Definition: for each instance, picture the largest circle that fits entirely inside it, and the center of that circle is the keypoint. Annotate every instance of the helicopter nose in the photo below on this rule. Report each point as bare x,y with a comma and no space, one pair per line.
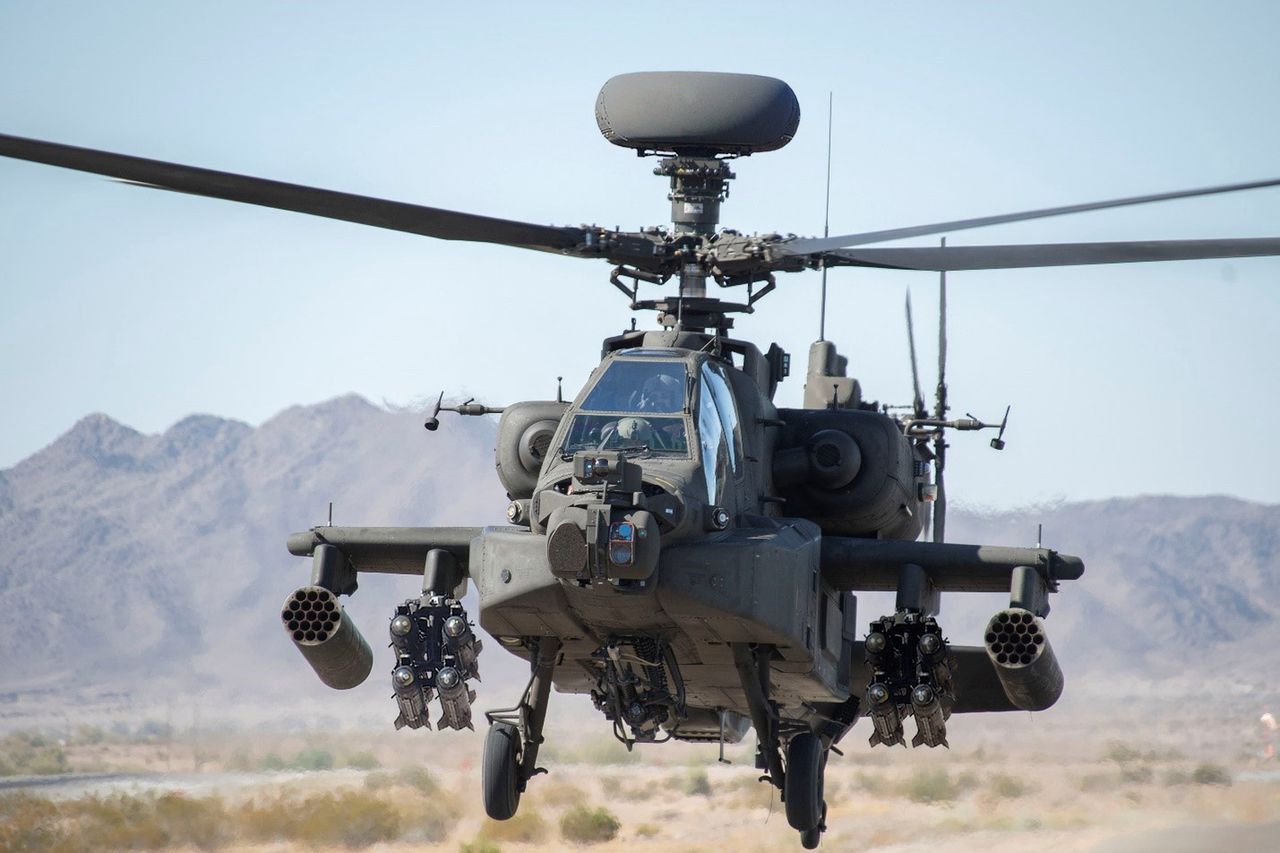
567,549
602,542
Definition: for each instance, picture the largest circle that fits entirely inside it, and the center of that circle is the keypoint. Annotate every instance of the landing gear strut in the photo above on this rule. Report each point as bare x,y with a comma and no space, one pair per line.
515,734
802,778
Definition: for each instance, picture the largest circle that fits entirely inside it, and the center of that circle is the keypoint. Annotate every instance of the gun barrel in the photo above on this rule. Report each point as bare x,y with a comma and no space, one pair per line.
327,638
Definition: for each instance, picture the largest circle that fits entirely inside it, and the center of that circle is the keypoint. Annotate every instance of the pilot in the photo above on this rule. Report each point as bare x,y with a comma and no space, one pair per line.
634,431
660,393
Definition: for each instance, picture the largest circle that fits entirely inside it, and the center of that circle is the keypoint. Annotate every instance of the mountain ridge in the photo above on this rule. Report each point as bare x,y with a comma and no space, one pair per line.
151,562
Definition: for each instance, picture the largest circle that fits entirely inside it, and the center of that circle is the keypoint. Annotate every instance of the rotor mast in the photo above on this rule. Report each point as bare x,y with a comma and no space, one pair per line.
699,184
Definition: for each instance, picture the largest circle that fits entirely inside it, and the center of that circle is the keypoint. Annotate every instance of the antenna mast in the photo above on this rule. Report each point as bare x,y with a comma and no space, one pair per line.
826,223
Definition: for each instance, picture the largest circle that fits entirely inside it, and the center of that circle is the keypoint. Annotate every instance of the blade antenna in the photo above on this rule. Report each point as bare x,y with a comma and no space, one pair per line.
826,223
917,402
940,441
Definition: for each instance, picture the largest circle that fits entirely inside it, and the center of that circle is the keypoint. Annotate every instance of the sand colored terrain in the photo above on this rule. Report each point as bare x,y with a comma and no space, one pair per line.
1194,780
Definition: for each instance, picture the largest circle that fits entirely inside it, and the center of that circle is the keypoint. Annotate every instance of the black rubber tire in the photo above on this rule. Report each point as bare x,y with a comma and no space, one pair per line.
500,772
804,782
810,839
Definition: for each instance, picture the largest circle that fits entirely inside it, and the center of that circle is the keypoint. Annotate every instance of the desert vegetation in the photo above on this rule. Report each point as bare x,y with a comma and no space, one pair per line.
1008,783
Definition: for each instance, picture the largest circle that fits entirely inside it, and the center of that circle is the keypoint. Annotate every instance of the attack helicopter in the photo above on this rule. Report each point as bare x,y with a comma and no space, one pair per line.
676,546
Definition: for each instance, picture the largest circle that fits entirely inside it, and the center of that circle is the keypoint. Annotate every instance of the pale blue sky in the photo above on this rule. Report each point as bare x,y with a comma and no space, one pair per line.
1124,380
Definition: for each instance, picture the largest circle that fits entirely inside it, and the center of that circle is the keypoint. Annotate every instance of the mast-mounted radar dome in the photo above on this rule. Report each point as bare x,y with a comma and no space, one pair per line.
697,113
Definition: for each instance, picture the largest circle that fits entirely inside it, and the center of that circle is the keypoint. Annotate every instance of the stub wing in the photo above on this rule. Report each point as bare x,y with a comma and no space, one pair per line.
876,564
387,550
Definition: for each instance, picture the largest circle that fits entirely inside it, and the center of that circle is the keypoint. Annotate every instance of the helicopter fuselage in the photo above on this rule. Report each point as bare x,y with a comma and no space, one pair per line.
652,518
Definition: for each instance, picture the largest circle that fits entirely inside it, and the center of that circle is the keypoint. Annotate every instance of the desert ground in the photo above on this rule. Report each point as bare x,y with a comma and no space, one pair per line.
1152,775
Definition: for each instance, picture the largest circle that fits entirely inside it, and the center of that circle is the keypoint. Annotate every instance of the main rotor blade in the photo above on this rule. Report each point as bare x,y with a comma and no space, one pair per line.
917,402
808,247
380,213
1051,254
939,517
940,397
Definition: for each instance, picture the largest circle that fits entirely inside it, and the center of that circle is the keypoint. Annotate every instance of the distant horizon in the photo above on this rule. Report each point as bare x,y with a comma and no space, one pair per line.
955,501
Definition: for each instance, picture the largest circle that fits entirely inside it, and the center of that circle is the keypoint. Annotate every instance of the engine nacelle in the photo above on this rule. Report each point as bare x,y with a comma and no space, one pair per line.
524,440
851,471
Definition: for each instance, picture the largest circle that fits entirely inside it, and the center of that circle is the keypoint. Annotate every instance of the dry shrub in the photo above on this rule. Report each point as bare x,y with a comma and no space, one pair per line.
697,784
527,827
429,819
363,760
119,821
29,823
1210,774
1095,783
312,759
31,754
1139,774
418,778
149,822
1003,786
1121,753
930,786
648,791
582,825
479,846
347,818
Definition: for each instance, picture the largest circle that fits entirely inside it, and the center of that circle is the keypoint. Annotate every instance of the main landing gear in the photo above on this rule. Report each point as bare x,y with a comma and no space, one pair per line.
803,788
515,734
802,777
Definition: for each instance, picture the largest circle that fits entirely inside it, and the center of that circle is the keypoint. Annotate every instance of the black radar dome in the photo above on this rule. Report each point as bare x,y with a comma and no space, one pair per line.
697,113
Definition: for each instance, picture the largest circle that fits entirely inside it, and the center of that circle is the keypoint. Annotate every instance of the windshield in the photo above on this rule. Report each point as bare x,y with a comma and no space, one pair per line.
632,397
639,386
661,436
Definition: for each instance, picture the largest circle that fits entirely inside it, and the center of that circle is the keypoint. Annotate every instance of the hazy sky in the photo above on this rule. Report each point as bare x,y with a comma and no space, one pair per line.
149,306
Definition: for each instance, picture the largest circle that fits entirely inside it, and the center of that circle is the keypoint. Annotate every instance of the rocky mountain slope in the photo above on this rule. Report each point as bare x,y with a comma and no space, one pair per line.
137,560
138,564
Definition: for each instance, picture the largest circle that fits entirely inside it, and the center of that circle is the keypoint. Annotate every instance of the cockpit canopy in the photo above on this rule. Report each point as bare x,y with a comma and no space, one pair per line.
640,387
636,404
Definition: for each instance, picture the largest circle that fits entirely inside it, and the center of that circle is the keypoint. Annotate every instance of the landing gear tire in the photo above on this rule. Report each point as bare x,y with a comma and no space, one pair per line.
810,839
501,771
803,792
